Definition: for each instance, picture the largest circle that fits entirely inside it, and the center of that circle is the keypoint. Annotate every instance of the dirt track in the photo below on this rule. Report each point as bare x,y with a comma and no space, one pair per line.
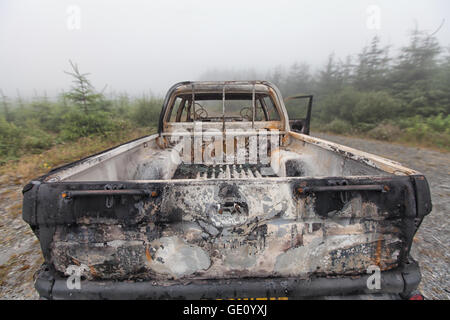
20,253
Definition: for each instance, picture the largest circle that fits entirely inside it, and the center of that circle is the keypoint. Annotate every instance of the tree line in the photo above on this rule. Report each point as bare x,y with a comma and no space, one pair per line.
398,97
380,94
374,93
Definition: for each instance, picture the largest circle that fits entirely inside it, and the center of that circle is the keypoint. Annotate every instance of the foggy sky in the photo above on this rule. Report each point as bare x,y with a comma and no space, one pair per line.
138,46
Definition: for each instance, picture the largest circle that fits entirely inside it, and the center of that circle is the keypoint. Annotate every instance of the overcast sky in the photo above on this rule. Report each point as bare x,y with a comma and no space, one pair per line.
137,46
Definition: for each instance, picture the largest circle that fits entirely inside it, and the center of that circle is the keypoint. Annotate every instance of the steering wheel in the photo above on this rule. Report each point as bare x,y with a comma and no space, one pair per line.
246,113
200,113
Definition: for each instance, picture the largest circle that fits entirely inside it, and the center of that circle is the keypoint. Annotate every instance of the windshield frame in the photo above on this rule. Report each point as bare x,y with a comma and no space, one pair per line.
198,87
184,112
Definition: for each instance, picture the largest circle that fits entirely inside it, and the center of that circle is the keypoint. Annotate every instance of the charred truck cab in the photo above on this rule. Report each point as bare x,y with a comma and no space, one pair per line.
230,199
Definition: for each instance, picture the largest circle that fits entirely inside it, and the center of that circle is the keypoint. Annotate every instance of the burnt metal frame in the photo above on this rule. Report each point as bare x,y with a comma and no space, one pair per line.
172,89
44,208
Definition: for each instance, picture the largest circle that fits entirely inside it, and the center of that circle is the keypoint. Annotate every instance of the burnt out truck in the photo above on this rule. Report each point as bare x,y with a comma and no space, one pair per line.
230,199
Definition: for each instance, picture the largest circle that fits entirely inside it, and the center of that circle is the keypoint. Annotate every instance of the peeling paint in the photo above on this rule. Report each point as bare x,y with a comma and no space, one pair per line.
176,258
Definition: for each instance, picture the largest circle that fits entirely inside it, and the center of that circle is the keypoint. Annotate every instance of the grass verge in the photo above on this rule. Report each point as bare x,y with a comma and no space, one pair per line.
33,165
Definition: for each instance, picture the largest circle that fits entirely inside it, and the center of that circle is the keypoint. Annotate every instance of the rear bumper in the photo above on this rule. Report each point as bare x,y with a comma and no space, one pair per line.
401,281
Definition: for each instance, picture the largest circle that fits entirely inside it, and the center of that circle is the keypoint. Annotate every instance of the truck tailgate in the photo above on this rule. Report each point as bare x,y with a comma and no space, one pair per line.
222,229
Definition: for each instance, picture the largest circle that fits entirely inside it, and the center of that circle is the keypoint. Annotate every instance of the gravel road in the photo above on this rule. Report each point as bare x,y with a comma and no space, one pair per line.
431,243
20,254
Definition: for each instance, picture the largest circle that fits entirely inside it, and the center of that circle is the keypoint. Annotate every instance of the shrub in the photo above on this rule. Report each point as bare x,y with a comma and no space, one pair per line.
77,124
363,127
385,131
339,105
146,112
439,123
10,140
36,140
374,107
338,126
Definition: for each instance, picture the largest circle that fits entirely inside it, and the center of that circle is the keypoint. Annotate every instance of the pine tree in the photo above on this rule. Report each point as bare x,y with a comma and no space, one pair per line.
298,79
414,74
276,76
330,78
373,66
82,93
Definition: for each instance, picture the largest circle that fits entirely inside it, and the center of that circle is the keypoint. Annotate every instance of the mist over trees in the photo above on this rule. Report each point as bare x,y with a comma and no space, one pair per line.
373,92
33,126
401,97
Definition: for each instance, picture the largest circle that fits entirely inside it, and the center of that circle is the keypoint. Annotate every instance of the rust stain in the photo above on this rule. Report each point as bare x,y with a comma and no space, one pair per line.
25,267
378,253
147,254
163,144
272,125
92,270
75,261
